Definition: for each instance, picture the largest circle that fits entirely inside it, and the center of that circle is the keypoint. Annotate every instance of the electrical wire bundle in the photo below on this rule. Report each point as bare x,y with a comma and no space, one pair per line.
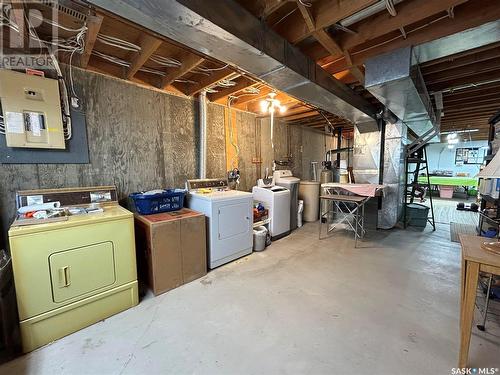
74,44
5,19
118,43
226,83
201,69
165,61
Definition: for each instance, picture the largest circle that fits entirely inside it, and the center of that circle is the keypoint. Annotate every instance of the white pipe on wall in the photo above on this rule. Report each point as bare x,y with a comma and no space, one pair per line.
203,134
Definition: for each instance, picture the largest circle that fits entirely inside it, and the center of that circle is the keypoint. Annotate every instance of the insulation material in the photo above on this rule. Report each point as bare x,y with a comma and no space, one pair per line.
366,157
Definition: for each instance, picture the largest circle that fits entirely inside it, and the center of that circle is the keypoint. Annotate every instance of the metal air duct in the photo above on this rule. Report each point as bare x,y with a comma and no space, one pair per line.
395,79
225,31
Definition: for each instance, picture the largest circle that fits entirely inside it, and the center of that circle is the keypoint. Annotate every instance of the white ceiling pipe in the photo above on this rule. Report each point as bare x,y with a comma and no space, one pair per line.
203,134
367,12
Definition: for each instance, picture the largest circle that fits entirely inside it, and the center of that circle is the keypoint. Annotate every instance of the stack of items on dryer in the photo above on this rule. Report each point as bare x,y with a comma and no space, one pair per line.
229,218
277,200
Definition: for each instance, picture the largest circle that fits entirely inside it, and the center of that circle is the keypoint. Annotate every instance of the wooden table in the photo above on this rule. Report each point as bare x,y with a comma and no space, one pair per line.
474,260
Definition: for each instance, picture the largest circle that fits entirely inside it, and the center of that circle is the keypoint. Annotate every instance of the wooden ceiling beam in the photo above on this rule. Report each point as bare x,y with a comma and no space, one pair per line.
241,83
463,71
264,91
188,60
328,42
325,12
206,82
94,23
308,112
459,55
472,102
456,82
453,62
475,109
471,14
476,96
468,116
149,44
408,12
273,6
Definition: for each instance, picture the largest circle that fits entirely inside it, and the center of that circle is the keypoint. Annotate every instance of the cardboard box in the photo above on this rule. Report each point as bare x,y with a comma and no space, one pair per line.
171,248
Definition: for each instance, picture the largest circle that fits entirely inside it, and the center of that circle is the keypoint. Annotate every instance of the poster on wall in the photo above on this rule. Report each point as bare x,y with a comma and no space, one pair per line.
469,155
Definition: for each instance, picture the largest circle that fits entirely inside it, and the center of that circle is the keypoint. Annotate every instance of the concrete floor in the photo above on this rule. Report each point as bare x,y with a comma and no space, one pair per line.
301,306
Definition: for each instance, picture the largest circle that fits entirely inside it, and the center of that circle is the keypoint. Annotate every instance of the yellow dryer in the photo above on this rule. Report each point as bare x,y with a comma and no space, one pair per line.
71,274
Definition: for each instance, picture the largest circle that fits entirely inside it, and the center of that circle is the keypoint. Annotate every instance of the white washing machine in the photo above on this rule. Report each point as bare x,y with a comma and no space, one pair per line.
229,219
286,179
277,200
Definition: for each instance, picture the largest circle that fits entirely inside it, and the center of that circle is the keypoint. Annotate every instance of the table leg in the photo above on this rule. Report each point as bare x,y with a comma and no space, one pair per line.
467,311
320,216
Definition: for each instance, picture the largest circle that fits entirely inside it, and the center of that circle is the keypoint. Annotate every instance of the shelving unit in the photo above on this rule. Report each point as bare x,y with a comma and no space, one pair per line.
488,201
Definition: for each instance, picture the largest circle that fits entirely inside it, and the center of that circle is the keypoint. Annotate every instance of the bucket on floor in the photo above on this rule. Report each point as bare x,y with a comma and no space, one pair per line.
417,214
259,238
446,191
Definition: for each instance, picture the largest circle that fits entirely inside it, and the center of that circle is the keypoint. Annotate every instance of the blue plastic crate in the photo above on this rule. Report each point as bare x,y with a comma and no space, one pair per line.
166,201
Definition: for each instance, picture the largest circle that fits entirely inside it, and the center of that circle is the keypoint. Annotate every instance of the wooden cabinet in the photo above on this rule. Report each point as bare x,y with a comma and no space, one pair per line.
171,248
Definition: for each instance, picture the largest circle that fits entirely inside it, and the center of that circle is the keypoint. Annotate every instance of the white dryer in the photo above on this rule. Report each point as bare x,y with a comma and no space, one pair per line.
229,219
277,200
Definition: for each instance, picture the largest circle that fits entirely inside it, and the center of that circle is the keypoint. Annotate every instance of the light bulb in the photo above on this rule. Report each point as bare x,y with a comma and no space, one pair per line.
282,109
263,106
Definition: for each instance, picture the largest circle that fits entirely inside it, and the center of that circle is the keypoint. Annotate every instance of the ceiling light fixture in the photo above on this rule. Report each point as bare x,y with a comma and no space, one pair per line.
270,105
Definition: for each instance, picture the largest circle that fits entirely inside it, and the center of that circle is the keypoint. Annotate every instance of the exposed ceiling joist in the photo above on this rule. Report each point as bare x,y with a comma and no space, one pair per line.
326,13
94,23
210,28
463,71
189,62
475,78
272,6
241,83
264,91
451,63
468,103
447,59
309,113
206,82
408,12
472,14
327,41
149,44
473,98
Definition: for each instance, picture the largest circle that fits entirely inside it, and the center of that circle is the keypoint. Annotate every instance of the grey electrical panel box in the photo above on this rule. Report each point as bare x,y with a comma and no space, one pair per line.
31,107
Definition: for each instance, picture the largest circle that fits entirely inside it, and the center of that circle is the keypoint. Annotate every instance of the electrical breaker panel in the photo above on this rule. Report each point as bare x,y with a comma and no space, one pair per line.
31,109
